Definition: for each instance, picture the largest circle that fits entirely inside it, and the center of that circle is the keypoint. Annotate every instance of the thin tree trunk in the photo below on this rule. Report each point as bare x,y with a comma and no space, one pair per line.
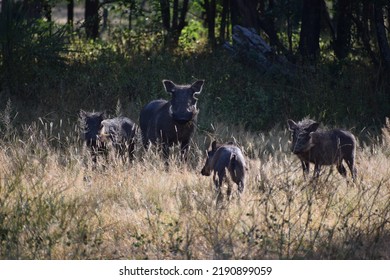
174,27
342,41
165,14
309,44
234,13
92,18
289,27
210,12
131,9
224,23
381,36
70,13
362,25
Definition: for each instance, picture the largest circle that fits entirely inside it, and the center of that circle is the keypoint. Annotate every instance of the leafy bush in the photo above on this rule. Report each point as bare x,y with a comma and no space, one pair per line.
31,49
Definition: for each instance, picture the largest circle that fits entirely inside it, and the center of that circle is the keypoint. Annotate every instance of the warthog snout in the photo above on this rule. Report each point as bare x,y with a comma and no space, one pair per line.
183,117
206,170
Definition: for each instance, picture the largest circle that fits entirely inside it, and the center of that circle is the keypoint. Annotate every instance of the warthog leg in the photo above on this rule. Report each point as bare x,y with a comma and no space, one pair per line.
352,168
317,169
305,168
341,169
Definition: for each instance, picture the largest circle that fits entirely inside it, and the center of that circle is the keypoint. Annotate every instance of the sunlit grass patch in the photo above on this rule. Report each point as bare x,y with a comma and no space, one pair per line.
54,204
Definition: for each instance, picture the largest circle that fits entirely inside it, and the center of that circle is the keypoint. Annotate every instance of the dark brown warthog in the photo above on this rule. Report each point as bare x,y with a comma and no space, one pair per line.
171,122
322,147
120,132
225,157
90,124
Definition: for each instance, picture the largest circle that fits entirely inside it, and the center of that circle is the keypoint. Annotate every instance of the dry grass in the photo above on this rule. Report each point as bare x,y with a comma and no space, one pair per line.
54,206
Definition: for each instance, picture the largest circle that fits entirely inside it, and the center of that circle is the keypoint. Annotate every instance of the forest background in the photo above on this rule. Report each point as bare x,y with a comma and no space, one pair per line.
58,58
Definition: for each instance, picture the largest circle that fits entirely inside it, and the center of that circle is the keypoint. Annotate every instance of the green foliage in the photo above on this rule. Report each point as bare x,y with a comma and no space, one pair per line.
192,37
30,50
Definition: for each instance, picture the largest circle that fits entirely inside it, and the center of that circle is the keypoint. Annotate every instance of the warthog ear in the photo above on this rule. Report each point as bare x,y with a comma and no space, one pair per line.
169,86
82,113
102,115
197,86
214,145
313,127
102,130
292,125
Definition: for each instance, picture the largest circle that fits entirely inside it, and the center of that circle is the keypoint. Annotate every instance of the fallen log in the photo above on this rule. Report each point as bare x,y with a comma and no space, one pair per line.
251,47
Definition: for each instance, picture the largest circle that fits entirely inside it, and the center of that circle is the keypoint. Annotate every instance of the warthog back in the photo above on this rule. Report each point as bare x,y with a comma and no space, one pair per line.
225,157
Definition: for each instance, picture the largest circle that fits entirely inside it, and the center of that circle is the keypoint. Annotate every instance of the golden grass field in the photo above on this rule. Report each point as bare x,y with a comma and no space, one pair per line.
53,205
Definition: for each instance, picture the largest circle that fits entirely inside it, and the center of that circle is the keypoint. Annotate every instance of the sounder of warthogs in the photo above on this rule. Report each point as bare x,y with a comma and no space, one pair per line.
225,157
322,147
171,122
120,132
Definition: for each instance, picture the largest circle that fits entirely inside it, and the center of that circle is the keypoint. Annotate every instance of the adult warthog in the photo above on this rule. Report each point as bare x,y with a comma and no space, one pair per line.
171,122
222,158
325,147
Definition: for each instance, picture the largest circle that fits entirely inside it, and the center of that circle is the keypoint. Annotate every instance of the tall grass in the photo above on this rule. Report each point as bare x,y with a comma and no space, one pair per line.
54,205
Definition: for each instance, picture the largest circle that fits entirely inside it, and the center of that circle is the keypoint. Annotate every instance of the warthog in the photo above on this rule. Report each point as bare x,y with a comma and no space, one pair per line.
171,122
225,157
120,132
90,125
322,147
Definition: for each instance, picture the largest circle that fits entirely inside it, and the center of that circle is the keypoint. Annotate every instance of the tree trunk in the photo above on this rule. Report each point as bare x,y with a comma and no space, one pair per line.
266,22
342,43
248,14
175,26
363,24
289,28
70,13
165,14
251,48
33,8
383,43
309,46
234,13
210,7
253,14
224,21
92,18
131,10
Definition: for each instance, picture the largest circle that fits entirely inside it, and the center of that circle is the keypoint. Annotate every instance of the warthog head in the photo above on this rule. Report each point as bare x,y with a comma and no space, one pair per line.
91,123
301,135
104,132
183,103
206,170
